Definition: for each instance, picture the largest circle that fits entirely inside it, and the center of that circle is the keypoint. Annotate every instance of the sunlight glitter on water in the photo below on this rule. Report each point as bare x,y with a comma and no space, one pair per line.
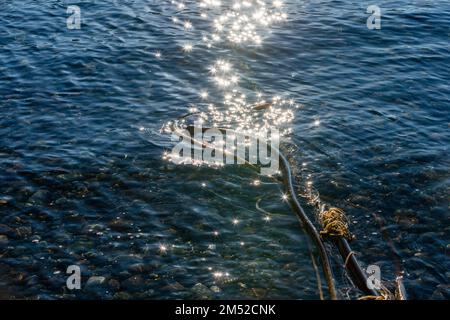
241,23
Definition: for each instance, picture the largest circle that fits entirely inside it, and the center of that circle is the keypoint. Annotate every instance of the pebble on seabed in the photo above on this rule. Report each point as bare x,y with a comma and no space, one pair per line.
202,291
95,280
215,289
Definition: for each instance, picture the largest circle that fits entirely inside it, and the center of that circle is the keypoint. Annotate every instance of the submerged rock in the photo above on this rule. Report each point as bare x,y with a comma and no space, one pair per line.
5,199
291,266
202,292
93,228
32,281
442,292
35,239
114,284
133,282
95,280
39,197
122,296
175,286
138,268
3,239
74,217
121,225
23,232
215,289
259,293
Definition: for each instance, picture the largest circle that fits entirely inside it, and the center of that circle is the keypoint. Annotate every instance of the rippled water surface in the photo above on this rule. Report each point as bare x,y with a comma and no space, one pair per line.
84,182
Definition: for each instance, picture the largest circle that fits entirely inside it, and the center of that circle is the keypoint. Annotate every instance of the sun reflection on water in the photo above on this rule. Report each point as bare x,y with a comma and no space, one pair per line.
239,23
242,23
228,103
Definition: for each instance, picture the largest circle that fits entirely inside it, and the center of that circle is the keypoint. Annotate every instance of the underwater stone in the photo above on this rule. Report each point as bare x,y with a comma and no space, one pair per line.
33,281
35,238
74,217
125,262
442,292
24,231
175,286
121,225
5,199
215,289
242,285
95,280
202,291
139,268
291,266
39,196
3,239
93,228
133,282
122,296
259,292
114,284
19,220
61,201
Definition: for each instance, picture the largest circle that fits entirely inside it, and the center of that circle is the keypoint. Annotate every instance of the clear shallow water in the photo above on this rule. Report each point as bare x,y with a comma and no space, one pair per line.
84,182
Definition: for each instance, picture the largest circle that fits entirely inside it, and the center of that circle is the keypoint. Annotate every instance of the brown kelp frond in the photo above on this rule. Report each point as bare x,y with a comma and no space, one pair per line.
334,223
372,298
384,294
